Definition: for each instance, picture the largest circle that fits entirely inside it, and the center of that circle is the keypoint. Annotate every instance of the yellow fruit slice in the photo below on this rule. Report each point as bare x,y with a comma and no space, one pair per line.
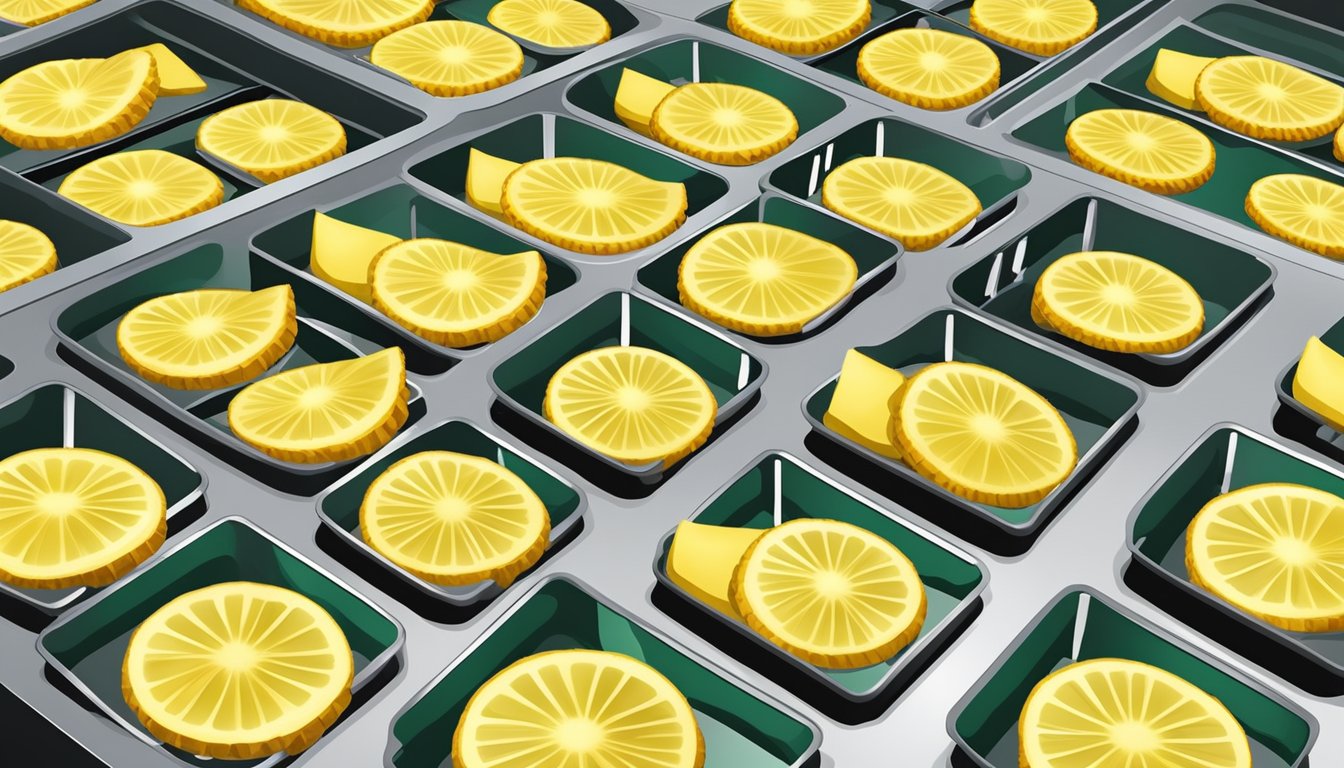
702,559
552,23
144,187
1118,302
1276,551
343,23
238,671
455,519
450,58
591,206
913,203
76,517
1304,210
578,708
1042,27
1319,382
456,295
77,102
175,77
272,139
1117,713
864,403
983,435
208,339
324,412
833,594
1269,99
799,27
636,405
724,123
1173,77
342,254
929,68
25,254
485,181
1339,145
1147,150
637,96
764,279
30,13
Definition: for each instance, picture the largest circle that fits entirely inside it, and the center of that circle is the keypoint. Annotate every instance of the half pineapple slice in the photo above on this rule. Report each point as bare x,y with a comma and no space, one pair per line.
591,206
1147,150
799,27
637,96
238,671
1304,210
455,519
208,339
1118,302
929,68
77,102
1273,550
636,405
864,403
30,13
450,58
324,412
1042,27
1268,99
76,517
343,253
702,560
456,295
484,187
983,435
833,594
1108,713
763,279
343,23
1174,75
723,123
144,187
578,708
912,203
176,78
551,23
25,254
272,139
1319,382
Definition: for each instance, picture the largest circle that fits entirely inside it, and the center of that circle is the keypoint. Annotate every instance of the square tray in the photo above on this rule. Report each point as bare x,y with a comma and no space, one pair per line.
282,255
87,329
339,506
1100,409
1226,458
875,256
777,488
1079,625
86,646
1316,433
1230,281
618,318
76,233
741,726
59,416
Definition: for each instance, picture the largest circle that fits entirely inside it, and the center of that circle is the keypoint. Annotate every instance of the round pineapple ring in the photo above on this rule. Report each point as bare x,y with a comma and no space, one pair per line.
830,593
912,203
25,254
77,102
1042,27
550,23
450,58
799,27
633,404
455,519
1114,713
238,671
342,23
76,517
1147,150
1273,550
763,279
1268,99
1118,302
723,123
983,435
144,188
30,13
1304,210
929,68
272,138
578,708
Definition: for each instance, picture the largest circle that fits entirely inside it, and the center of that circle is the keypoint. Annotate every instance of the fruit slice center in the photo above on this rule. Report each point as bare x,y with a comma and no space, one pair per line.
144,187
1269,99
76,102
25,254
916,204
799,27
724,123
552,23
450,58
1042,27
272,138
1304,210
929,68
345,23
1150,151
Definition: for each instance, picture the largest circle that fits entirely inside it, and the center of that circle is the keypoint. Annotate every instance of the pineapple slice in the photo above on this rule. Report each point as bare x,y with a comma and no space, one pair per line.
272,139
551,23
450,58
1041,27
72,103
342,254
144,188
1173,77
1144,149
929,68
342,23
26,254
799,27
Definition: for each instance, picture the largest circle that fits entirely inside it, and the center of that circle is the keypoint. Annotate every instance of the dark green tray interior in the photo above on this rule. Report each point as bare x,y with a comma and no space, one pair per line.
986,721
739,728
1315,10
76,234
